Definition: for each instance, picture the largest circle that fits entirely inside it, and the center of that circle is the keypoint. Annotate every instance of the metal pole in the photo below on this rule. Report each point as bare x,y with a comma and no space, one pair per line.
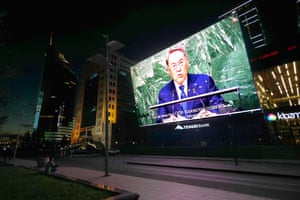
106,108
19,129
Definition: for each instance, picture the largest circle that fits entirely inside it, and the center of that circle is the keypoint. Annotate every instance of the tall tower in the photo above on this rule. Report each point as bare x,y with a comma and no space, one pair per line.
56,97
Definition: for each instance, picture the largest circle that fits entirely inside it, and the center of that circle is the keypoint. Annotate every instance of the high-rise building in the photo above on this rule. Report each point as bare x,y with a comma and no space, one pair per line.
91,108
56,97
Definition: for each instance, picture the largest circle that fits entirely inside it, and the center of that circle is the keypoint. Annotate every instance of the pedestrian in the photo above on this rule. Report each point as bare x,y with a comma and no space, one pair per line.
51,166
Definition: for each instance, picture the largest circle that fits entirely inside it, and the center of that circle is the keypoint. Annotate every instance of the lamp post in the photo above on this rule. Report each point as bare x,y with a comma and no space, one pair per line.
106,107
110,47
21,115
19,129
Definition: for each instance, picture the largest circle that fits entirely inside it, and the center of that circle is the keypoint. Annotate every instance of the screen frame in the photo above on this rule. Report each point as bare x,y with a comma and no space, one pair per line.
140,73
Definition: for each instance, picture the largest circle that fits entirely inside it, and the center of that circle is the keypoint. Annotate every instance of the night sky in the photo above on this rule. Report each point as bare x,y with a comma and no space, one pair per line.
144,27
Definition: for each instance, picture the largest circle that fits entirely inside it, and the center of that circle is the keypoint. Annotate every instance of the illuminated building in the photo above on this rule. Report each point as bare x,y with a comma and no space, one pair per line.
91,107
56,97
276,75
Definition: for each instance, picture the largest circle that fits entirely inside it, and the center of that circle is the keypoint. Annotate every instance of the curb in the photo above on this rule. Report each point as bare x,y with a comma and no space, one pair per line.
121,194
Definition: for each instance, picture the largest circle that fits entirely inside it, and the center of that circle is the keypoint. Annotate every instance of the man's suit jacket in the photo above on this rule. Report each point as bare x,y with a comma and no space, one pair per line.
197,84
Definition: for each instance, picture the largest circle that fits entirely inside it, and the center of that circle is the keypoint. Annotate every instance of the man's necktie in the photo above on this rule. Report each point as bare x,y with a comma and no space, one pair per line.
182,96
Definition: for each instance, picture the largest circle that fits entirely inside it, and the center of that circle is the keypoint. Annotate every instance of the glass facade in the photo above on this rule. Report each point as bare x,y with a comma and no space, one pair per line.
278,91
90,101
56,98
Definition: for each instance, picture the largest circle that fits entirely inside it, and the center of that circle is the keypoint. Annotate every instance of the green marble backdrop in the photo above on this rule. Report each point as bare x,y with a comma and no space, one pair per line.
218,50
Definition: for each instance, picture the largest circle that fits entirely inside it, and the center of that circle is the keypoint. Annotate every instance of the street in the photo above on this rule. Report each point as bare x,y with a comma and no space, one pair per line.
276,187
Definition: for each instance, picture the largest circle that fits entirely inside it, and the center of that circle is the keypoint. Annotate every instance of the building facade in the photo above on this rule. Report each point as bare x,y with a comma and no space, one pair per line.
54,115
100,70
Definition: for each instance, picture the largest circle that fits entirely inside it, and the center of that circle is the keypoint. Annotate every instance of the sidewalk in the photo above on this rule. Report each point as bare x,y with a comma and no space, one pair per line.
149,189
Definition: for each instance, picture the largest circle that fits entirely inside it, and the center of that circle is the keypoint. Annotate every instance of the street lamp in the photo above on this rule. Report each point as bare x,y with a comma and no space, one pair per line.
106,107
21,116
110,46
19,129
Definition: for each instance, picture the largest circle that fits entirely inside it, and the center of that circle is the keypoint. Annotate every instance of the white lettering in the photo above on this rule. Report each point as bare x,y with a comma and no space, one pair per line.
282,116
192,126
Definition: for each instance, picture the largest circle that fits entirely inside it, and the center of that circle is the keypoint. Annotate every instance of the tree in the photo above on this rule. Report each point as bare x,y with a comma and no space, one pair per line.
3,119
7,70
38,141
27,142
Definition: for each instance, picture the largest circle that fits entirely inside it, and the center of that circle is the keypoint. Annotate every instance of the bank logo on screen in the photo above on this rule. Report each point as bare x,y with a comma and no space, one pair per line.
271,117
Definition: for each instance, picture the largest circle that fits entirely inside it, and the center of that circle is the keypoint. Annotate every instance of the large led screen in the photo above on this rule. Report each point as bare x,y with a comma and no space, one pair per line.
217,51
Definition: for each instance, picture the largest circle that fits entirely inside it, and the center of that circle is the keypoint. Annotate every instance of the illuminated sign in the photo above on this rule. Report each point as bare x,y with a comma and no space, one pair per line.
283,116
271,117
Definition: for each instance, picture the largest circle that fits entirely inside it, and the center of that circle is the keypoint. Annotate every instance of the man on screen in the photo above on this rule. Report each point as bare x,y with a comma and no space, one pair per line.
183,85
